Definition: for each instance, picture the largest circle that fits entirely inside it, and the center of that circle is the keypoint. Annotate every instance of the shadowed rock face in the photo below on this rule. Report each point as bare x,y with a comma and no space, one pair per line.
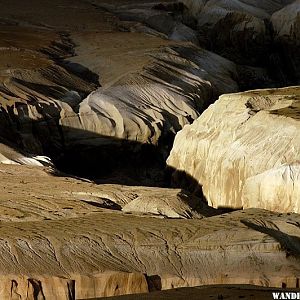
255,33
246,292
286,23
244,150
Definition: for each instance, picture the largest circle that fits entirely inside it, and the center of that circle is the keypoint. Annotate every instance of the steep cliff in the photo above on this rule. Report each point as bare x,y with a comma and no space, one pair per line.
243,151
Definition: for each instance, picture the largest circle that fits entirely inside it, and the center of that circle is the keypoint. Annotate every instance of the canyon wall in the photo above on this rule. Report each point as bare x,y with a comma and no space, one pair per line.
243,151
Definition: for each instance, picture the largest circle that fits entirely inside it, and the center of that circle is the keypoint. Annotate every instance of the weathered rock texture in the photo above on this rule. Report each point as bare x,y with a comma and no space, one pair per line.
78,83
70,197
162,19
67,242
150,87
251,32
63,241
239,25
244,150
286,23
157,101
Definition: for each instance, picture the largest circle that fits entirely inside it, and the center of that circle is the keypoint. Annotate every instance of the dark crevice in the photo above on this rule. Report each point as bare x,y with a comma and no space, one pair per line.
107,203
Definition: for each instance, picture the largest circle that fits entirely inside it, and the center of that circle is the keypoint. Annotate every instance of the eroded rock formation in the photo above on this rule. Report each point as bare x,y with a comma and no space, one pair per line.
70,197
150,88
103,86
251,33
286,23
244,151
57,240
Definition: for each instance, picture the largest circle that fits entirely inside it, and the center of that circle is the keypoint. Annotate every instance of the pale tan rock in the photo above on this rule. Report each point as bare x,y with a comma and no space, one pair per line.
60,288
110,284
276,189
150,87
171,203
8,155
49,250
244,150
153,102
67,197
182,253
38,288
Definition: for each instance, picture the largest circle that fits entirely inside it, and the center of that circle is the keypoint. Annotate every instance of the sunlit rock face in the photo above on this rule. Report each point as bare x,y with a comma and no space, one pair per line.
158,100
80,287
244,150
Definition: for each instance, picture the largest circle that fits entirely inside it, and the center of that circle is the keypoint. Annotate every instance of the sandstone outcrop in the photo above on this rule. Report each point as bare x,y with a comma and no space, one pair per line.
60,243
92,87
61,288
170,203
71,197
51,102
157,101
243,151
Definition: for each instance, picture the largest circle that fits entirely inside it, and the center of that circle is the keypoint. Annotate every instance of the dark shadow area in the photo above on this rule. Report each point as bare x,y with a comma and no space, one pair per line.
228,209
37,288
180,179
105,204
154,283
71,290
263,60
84,154
80,71
207,292
290,244
292,111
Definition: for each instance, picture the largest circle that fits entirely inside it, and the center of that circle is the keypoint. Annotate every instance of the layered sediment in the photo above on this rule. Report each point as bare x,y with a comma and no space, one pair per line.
100,251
